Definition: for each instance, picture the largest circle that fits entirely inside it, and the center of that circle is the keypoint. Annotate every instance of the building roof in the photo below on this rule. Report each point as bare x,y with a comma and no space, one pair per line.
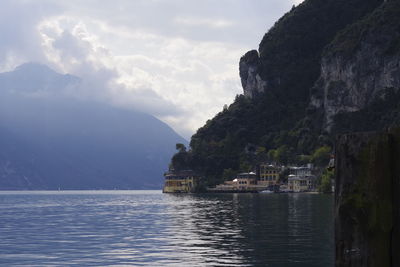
293,177
182,174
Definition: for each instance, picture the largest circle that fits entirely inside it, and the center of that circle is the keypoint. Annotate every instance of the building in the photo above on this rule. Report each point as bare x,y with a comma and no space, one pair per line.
301,179
185,181
243,183
269,175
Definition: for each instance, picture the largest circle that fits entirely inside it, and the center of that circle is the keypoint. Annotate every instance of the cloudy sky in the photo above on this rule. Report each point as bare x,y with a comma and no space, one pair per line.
175,59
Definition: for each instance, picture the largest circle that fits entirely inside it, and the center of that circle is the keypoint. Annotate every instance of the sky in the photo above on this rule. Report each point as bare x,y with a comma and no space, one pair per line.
175,59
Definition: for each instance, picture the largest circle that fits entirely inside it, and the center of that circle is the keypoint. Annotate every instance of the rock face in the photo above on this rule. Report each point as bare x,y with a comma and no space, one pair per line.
367,199
276,80
360,65
288,59
249,68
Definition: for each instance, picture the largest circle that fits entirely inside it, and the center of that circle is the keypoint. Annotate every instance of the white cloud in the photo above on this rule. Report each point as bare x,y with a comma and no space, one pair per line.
183,82
177,59
207,22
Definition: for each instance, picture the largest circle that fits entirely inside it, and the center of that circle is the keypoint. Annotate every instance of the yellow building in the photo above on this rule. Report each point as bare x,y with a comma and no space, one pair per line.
181,182
269,175
243,182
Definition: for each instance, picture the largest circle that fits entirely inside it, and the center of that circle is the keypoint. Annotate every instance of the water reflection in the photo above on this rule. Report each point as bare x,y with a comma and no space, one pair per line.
153,229
261,230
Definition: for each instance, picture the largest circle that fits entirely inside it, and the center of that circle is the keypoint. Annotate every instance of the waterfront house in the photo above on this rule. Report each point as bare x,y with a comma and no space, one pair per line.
243,182
301,179
269,175
186,181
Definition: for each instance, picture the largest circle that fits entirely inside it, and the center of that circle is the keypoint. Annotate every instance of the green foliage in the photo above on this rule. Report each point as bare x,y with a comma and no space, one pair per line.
261,154
382,25
326,181
283,155
290,55
304,159
181,161
321,156
228,174
245,166
180,147
291,50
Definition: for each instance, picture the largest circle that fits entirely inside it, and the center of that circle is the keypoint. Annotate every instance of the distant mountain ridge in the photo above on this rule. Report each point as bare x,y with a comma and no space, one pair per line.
31,77
49,141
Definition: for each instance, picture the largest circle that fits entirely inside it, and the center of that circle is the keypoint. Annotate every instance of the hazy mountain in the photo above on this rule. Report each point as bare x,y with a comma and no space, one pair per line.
50,141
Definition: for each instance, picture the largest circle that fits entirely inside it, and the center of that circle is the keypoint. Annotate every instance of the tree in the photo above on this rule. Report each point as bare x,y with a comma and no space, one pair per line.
180,161
321,156
245,166
304,159
180,147
326,182
261,154
272,154
283,155
228,174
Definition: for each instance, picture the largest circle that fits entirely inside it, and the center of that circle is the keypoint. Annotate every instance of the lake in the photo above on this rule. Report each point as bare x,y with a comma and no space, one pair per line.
148,228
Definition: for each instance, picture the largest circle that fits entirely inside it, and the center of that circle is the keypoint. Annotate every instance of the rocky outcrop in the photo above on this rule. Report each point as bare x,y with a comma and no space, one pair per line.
367,194
287,63
249,68
360,65
278,77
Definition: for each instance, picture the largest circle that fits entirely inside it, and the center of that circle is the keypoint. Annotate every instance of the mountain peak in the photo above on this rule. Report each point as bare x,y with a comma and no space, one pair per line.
32,77
40,70
34,66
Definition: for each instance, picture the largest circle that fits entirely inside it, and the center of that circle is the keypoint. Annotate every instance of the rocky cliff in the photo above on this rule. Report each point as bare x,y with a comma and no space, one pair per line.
249,68
325,67
360,67
288,58
367,213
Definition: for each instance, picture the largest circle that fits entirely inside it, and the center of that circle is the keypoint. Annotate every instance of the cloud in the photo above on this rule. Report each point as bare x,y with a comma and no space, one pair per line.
177,59
207,22
74,50
180,81
20,41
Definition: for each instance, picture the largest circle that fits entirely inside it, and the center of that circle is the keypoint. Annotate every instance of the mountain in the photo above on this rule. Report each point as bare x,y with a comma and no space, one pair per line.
36,78
325,67
358,89
49,140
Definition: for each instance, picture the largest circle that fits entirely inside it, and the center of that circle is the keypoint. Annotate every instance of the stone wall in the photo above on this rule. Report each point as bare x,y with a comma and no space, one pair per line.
367,199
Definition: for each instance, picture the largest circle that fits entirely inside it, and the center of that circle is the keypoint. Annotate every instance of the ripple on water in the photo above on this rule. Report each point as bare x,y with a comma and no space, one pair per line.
135,228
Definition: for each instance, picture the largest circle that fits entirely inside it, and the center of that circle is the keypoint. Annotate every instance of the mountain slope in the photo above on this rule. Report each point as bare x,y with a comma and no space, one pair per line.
50,141
358,89
278,117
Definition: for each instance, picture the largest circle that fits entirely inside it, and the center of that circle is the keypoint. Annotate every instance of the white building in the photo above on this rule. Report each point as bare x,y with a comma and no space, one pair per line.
301,179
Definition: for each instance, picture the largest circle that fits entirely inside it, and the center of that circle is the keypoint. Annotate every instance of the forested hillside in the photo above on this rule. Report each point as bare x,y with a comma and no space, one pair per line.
293,91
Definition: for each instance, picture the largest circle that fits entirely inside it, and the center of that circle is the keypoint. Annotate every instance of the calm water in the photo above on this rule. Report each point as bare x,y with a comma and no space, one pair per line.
147,228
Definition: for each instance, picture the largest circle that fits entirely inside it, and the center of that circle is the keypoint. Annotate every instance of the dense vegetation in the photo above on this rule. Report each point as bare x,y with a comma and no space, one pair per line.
383,22
381,114
274,126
